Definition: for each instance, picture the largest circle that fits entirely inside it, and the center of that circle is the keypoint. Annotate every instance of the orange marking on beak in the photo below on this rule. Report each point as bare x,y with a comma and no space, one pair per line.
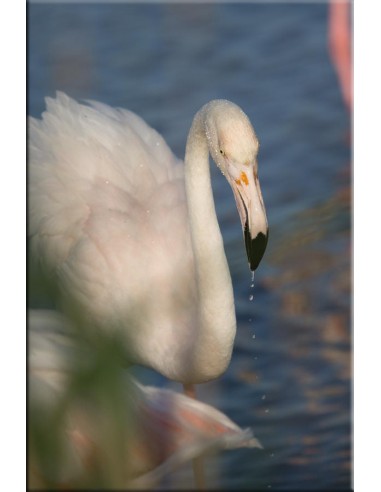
244,178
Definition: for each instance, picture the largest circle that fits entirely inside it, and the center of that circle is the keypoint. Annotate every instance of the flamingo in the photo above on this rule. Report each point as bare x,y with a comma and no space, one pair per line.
132,235
168,428
339,44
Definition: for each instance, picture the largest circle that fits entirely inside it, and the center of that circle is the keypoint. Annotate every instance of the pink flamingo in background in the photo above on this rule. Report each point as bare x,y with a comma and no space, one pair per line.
340,47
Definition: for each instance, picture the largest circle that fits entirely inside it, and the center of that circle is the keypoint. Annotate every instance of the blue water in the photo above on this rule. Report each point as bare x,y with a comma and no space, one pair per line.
290,376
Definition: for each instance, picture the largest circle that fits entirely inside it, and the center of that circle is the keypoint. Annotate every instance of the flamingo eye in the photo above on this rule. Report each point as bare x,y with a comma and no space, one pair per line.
222,152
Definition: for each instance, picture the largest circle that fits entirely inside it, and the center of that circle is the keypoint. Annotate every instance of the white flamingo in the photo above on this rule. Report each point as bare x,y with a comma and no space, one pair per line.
132,234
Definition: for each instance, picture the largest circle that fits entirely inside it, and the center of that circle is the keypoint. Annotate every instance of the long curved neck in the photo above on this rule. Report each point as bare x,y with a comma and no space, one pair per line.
216,314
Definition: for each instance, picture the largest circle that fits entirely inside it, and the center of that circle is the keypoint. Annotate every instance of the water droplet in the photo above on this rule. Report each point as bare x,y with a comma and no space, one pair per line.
267,410
252,277
253,336
250,320
251,297
263,397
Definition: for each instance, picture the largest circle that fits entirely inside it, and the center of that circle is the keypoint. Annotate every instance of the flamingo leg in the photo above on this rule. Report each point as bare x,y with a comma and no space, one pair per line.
197,463
190,390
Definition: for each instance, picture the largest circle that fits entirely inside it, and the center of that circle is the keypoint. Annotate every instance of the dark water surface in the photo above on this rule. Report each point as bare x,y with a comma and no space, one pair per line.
290,376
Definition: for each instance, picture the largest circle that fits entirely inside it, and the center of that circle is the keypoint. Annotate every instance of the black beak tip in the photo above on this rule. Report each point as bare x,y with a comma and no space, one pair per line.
255,248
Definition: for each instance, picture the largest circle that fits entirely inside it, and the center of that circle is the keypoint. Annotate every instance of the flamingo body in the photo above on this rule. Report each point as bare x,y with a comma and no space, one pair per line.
131,233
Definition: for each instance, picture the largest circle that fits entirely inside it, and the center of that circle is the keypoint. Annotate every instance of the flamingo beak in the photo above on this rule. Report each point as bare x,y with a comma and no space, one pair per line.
248,196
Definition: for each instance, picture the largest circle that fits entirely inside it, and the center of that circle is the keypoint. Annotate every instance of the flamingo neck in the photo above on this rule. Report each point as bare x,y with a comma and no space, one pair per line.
216,323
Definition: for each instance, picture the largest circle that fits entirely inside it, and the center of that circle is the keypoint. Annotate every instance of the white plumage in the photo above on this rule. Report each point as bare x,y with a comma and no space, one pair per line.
131,233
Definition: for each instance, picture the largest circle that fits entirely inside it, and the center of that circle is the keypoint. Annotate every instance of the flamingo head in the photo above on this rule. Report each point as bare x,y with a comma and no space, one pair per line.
234,146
